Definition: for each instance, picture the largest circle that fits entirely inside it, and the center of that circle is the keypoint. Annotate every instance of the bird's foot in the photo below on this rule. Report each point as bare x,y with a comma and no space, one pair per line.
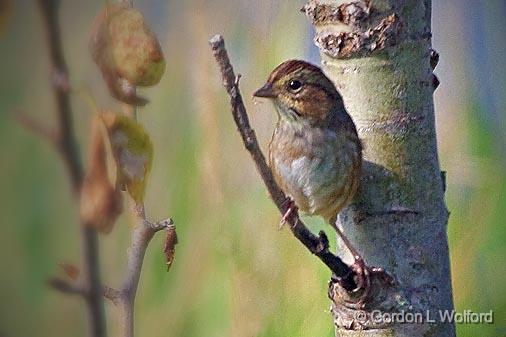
291,209
363,279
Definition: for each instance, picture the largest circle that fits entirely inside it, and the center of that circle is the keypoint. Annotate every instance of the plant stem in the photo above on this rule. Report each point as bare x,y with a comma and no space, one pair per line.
67,145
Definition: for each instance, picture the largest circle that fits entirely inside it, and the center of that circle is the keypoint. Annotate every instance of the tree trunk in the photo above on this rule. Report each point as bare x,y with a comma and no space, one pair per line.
378,53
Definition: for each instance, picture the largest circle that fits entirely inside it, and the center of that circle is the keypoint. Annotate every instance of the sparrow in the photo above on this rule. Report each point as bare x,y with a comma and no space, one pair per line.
315,153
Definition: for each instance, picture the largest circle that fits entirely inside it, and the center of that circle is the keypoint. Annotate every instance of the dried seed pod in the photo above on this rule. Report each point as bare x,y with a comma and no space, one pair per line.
127,52
169,247
132,151
101,202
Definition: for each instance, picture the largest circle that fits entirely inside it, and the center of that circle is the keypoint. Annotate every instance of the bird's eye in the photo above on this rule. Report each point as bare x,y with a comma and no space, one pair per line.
295,85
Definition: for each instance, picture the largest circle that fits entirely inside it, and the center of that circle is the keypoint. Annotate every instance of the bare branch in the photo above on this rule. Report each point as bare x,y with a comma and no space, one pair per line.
36,127
67,141
318,245
141,236
67,145
66,287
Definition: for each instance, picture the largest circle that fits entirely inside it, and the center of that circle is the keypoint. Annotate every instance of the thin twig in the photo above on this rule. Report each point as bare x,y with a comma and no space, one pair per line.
67,145
66,137
37,128
318,245
141,236
125,297
66,287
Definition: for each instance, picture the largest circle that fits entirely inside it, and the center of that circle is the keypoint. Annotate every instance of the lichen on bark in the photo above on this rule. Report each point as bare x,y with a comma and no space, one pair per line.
378,54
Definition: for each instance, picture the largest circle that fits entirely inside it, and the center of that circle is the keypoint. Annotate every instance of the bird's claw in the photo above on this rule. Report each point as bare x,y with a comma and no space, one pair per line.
363,279
291,209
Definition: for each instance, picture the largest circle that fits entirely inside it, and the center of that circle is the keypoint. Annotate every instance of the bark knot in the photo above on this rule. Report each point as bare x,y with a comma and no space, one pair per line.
384,296
345,45
352,14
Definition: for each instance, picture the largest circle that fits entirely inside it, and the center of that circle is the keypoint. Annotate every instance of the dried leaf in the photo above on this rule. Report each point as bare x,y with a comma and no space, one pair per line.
169,247
133,153
127,52
70,270
101,203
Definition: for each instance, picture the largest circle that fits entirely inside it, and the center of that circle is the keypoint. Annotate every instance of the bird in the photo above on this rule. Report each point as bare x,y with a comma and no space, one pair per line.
315,153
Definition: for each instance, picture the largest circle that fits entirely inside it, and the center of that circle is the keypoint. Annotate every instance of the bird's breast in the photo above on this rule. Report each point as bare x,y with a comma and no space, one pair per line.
313,167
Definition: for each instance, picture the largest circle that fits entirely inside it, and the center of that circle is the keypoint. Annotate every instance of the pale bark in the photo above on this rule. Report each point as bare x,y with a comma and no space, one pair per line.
378,55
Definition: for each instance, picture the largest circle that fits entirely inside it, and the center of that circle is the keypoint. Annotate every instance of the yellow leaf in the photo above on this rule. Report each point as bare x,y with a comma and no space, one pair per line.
133,153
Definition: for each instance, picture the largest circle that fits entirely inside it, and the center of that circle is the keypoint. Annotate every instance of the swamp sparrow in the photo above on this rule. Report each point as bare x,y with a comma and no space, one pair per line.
315,153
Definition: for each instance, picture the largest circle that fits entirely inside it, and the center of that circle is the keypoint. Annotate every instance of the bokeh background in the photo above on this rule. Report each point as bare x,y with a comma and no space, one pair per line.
235,274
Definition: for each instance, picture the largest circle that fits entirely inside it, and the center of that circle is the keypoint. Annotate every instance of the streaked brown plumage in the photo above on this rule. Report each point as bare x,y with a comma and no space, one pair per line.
315,153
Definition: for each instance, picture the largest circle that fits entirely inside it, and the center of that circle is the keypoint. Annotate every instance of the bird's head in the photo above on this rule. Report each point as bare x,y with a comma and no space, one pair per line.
301,91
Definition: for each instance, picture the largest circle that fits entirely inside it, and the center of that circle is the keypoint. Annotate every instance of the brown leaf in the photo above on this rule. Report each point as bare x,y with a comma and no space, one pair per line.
101,203
70,270
169,247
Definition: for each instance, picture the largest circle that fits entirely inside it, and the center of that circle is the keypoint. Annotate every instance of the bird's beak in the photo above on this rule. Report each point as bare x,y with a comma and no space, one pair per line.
265,91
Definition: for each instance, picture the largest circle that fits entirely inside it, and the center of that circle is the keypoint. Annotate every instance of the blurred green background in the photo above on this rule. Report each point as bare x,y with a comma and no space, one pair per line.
235,274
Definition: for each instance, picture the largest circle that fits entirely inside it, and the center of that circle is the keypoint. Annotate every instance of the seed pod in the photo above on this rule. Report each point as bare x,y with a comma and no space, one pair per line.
126,51
169,247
